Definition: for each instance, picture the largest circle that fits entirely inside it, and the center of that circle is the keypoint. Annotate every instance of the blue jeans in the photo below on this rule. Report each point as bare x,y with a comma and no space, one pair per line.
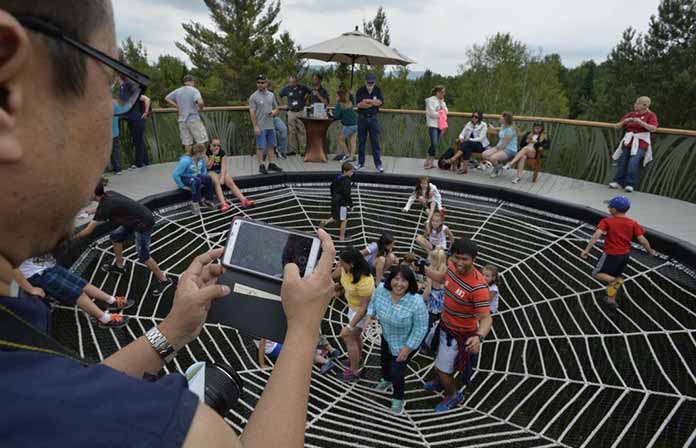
627,172
281,134
198,183
137,130
435,136
371,125
116,155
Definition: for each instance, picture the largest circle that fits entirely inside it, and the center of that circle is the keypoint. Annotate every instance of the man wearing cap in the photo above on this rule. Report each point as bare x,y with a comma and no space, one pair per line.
635,145
618,231
263,107
296,95
369,98
189,102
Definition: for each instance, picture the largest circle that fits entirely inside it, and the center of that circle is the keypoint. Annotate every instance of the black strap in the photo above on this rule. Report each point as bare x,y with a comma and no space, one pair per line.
18,334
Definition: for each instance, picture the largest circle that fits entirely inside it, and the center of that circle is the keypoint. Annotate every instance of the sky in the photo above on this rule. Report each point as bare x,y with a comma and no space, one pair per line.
434,33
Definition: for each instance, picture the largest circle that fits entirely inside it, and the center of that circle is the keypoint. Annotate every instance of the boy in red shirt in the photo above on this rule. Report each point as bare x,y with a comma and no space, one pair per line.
635,145
465,322
618,231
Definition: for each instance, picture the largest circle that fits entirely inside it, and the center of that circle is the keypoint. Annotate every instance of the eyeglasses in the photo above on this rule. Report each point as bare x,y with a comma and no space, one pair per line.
215,145
129,91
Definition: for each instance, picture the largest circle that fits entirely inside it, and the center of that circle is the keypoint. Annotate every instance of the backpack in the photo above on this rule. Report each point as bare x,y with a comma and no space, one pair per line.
442,161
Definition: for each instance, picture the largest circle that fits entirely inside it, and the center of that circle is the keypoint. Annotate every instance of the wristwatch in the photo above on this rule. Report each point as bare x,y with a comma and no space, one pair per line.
481,337
161,345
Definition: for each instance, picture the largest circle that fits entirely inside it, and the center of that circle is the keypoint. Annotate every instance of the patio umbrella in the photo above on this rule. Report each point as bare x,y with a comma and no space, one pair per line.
355,48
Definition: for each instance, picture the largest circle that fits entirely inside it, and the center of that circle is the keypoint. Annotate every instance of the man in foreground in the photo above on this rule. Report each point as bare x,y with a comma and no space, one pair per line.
51,155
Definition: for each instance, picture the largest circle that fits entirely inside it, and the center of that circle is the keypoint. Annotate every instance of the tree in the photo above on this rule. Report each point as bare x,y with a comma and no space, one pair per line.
168,73
378,29
243,44
135,55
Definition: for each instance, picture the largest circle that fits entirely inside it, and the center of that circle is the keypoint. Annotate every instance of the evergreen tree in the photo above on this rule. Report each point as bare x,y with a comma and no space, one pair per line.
242,45
378,29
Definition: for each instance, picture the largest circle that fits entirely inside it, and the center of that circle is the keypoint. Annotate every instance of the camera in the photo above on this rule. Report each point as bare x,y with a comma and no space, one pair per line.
218,385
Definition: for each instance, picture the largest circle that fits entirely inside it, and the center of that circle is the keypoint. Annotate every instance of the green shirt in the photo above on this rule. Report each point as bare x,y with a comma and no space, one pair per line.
347,115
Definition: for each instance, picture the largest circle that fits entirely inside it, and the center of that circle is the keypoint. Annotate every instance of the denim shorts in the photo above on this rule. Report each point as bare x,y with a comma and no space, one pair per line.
266,139
510,154
142,241
350,130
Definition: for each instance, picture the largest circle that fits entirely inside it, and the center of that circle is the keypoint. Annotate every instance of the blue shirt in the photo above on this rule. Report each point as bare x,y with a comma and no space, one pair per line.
404,323
364,94
54,401
187,167
508,132
117,110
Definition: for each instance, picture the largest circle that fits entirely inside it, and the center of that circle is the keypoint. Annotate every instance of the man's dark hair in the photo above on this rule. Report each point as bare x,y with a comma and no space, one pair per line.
99,190
347,166
465,246
408,274
78,19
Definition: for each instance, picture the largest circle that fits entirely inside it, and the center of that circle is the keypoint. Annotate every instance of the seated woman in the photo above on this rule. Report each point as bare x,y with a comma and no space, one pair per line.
217,170
473,139
358,286
531,142
380,255
506,148
192,172
404,319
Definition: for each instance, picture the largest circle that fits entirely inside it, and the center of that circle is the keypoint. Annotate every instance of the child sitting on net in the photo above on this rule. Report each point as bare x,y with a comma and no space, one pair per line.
490,273
380,255
434,292
436,234
427,195
192,172
272,350
341,200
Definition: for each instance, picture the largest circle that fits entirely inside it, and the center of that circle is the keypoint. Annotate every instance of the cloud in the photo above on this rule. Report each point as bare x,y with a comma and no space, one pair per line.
435,33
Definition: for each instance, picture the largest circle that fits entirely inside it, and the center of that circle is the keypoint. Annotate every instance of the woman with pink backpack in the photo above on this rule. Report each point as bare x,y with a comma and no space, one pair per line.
436,119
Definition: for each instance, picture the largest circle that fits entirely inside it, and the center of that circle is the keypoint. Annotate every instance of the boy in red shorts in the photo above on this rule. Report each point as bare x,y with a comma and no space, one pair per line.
618,231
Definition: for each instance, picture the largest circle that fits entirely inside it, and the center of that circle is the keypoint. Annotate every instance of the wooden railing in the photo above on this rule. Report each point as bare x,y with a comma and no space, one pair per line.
580,149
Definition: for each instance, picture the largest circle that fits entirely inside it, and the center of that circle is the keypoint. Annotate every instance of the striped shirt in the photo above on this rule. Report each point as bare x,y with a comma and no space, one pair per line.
465,297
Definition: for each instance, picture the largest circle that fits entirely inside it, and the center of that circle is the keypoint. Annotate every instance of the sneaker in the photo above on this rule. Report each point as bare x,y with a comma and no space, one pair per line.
614,185
359,167
132,167
118,173
449,403
121,303
195,209
111,268
224,207
207,204
262,169
339,157
326,367
495,173
610,303
247,203
334,353
383,385
380,169
432,386
350,376
629,189
159,288
506,166
273,167
397,406
115,321
345,158
613,288
516,180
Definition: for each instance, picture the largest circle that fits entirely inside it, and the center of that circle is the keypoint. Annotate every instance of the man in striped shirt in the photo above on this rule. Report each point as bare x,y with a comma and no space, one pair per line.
465,321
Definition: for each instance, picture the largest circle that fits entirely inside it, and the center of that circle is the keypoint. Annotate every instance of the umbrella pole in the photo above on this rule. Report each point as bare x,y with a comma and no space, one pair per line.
352,68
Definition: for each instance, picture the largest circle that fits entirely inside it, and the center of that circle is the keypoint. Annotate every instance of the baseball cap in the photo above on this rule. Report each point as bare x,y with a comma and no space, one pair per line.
261,77
620,203
371,77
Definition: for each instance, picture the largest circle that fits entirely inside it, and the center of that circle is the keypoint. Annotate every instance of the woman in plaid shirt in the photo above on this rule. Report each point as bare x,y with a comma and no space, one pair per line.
404,319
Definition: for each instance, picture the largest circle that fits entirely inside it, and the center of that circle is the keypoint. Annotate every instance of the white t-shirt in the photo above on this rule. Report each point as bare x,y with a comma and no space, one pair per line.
371,256
438,239
270,346
36,265
494,300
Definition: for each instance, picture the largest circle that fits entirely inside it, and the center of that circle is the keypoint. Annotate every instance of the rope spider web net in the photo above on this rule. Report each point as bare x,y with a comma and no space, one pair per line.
556,370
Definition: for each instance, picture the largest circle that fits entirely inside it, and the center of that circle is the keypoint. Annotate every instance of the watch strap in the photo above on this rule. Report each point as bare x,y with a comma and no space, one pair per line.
161,345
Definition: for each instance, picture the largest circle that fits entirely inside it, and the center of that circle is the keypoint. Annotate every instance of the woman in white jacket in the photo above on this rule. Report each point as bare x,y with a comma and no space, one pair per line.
427,195
434,106
473,139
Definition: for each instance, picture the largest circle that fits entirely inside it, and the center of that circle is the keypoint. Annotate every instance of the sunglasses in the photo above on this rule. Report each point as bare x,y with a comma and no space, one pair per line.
214,145
134,84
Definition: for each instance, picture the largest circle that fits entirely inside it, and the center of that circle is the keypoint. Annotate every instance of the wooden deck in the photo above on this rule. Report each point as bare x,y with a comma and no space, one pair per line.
669,216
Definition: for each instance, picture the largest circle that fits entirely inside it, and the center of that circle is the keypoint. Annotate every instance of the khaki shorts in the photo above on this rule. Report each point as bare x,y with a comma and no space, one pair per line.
192,131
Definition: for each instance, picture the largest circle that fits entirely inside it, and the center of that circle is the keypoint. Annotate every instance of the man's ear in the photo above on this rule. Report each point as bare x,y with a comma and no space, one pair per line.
14,53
